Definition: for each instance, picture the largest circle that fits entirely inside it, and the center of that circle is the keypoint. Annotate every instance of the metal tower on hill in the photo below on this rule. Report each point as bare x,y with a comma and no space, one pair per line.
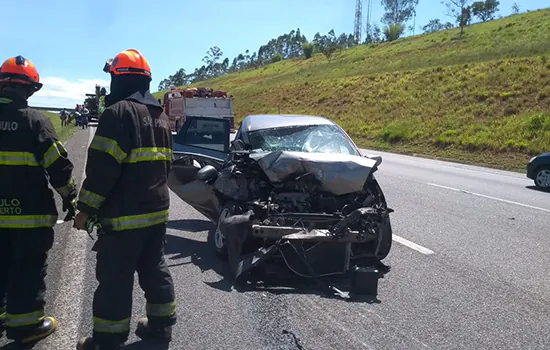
358,20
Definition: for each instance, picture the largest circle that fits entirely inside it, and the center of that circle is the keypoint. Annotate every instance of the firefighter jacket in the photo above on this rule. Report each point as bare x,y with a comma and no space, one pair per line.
128,164
31,156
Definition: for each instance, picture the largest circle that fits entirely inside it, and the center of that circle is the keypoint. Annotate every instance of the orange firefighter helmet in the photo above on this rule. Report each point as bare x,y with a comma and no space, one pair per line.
20,70
130,61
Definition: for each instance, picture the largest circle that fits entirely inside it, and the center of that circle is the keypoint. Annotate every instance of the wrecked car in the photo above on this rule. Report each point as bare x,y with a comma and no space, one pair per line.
290,190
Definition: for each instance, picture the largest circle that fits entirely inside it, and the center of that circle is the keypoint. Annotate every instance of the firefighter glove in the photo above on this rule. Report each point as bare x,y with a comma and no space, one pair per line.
69,205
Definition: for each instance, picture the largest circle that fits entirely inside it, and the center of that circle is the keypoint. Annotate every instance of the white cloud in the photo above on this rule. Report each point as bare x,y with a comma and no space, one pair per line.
59,92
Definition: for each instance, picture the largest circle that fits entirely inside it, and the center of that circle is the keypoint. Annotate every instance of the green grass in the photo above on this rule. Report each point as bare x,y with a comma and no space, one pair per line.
481,98
64,133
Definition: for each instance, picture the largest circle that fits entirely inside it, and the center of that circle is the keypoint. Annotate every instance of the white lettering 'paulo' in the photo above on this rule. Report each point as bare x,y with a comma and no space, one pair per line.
9,126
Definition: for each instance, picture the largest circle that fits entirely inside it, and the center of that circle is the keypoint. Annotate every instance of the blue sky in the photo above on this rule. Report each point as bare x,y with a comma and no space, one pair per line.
70,40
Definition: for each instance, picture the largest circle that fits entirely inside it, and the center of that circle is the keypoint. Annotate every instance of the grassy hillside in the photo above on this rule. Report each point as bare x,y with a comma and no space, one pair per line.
63,133
483,97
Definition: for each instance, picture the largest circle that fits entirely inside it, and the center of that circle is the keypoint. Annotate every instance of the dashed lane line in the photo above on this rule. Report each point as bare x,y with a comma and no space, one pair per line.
412,245
489,197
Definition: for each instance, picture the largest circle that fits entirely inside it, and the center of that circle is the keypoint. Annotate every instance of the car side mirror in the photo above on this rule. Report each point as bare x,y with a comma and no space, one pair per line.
207,173
238,145
376,158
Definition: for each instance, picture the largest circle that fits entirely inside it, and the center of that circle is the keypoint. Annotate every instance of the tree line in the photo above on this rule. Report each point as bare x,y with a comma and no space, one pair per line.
294,44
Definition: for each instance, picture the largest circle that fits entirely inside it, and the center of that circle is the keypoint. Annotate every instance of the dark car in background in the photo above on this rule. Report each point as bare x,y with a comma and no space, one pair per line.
538,170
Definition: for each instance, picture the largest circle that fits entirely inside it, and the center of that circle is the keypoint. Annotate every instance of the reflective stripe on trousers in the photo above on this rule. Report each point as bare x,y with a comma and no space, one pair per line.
27,221
106,326
18,158
161,310
22,320
93,200
131,222
52,154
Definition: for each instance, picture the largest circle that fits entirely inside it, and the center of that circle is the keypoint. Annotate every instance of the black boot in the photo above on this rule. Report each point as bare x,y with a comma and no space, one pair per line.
144,330
87,343
46,328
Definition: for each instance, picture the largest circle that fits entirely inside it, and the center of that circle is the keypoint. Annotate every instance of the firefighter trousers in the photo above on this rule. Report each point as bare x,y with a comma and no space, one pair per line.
119,256
23,267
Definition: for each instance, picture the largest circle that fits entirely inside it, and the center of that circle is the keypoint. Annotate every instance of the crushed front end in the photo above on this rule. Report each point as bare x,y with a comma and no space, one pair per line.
313,232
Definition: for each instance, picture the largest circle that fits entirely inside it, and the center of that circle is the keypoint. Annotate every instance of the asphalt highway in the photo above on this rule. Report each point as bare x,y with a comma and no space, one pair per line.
469,271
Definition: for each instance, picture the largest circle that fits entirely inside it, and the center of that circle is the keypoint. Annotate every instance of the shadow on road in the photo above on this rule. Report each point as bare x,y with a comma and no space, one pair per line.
190,225
15,346
200,255
535,188
269,278
147,345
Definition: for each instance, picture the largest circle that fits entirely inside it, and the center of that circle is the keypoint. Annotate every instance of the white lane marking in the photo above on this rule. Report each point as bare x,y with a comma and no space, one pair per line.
489,197
412,245
69,299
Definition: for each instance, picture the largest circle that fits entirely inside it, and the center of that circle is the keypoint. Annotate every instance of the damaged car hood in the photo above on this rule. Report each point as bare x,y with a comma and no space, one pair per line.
337,173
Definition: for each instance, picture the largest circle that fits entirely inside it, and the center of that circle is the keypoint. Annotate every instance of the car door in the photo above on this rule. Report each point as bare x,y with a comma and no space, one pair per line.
201,141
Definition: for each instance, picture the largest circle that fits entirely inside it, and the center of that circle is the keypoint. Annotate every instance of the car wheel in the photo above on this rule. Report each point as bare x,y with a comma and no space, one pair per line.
218,236
387,239
542,178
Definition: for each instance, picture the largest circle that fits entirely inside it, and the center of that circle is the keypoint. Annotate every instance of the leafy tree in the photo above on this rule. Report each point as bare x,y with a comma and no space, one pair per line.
374,34
435,25
460,10
178,79
485,10
277,58
394,31
398,11
308,50
212,55
515,8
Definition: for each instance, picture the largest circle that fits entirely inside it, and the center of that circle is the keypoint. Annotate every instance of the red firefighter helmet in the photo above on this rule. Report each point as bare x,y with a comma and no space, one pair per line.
21,71
130,61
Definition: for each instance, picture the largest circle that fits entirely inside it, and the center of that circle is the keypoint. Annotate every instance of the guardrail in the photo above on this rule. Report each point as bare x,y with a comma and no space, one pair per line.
55,109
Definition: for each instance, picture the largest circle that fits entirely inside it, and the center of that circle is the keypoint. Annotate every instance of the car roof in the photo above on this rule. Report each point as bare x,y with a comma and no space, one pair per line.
268,121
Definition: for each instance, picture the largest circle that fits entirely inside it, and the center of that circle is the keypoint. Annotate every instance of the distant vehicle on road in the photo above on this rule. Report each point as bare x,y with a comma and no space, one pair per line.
538,169
93,104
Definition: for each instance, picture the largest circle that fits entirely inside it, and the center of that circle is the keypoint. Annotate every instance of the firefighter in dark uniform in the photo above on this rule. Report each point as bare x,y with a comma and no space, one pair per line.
31,156
126,191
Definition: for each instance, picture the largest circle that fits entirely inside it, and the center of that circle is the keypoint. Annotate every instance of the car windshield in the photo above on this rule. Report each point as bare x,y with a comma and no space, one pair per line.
303,138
